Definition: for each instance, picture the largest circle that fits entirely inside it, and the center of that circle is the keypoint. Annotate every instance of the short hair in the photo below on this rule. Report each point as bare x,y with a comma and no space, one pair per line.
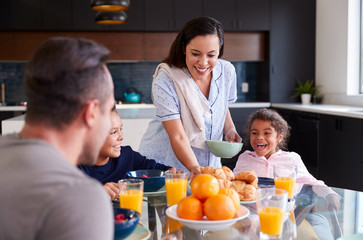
200,26
276,121
61,76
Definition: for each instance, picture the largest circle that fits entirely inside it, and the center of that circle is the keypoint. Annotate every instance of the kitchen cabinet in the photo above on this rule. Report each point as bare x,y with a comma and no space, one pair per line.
304,137
25,15
5,15
56,15
292,46
170,15
340,156
239,15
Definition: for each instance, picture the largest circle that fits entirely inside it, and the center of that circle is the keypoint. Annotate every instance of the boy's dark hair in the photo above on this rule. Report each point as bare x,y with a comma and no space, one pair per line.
61,76
276,121
200,26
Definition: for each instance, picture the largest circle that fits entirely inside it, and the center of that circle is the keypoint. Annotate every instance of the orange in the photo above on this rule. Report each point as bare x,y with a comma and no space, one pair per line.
230,192
219,207
204,186
190,208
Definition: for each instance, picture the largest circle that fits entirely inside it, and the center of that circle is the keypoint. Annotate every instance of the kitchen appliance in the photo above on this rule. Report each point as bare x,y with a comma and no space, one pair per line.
131,95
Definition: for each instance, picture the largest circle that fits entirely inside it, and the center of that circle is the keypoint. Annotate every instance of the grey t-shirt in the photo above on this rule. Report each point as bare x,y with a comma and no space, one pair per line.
43,196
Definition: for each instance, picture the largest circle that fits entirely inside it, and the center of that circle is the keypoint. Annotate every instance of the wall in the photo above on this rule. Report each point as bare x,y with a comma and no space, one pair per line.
125,75
337,51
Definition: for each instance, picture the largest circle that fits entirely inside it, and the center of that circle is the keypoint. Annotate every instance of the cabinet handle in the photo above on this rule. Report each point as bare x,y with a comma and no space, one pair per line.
239,23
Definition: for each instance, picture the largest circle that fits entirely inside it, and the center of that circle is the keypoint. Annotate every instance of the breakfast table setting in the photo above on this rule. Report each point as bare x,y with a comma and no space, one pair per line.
159,217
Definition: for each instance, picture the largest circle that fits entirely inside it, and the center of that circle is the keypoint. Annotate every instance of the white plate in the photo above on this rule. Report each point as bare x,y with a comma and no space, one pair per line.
140,233
248,202
206,224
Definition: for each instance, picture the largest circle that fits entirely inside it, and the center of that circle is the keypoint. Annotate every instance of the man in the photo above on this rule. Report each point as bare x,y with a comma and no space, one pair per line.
42,193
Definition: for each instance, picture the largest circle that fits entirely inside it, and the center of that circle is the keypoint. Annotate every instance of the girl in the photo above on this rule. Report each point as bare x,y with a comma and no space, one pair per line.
267,133
115,161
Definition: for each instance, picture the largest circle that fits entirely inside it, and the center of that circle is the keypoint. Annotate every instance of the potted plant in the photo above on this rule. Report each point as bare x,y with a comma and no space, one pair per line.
305,90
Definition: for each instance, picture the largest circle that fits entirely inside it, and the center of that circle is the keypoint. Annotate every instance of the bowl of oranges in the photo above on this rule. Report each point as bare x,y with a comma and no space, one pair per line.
209,207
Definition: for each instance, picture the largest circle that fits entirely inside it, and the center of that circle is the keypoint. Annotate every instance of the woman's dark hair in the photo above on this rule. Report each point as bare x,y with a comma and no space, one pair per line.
200,26
61,76
276,121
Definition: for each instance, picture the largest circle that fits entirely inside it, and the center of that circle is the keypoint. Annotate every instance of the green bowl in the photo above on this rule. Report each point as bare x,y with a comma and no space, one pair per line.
224,149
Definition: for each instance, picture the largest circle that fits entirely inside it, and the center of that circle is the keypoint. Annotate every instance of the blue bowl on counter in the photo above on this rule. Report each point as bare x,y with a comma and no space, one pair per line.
125,228
153,179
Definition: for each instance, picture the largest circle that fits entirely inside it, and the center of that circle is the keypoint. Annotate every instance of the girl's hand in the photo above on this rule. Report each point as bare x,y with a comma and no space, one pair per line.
112,190
332,201
232,136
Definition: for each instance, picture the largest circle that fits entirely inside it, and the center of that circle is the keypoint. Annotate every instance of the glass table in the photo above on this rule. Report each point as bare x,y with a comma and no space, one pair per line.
310,219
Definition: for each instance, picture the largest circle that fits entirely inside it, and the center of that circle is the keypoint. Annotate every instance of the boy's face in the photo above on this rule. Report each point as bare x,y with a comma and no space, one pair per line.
264,138
112,146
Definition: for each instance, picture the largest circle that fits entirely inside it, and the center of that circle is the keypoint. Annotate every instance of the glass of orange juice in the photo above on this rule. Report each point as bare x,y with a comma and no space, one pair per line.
131,194
176,186
271,206
285,178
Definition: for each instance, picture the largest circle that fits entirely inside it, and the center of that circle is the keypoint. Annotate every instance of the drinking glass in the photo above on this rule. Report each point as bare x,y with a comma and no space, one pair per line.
176,186
131,194
271,206
285,178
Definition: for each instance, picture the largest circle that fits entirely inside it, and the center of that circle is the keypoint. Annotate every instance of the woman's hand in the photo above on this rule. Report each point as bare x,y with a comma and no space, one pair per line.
112,189
232,136
230,133
194,171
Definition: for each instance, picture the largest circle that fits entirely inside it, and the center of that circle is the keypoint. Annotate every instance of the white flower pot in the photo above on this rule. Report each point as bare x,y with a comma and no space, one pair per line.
306,98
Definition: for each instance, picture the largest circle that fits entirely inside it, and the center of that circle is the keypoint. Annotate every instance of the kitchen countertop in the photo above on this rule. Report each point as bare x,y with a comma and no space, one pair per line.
336,110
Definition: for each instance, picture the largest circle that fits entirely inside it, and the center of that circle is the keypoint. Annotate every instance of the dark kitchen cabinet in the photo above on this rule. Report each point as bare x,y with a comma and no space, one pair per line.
170,15
25,15
304,137
239,15
292,46
340,158
56,15
5,15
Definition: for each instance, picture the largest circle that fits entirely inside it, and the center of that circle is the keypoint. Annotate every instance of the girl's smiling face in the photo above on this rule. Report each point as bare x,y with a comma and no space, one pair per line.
112,145
264,138
201,55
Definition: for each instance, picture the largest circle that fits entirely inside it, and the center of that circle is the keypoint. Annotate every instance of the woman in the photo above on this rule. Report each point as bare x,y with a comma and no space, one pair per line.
191,91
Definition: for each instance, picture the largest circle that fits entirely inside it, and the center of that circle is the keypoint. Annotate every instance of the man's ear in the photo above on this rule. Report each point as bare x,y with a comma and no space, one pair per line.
90,112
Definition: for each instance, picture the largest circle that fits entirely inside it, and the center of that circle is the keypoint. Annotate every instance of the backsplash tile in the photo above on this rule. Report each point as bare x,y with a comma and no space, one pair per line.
125,75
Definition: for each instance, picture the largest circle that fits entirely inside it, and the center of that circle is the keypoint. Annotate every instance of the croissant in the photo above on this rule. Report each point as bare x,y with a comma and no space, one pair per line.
228,172
248,176
248,193
219,174
238,185
224,183
207,170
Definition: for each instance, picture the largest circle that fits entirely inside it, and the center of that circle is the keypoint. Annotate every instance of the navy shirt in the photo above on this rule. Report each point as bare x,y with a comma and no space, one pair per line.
116,168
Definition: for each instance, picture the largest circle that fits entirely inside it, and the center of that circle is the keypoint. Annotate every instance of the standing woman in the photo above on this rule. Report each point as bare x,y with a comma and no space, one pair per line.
191,91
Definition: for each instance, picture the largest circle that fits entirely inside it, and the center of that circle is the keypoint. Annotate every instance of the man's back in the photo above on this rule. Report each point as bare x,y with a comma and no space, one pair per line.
43,196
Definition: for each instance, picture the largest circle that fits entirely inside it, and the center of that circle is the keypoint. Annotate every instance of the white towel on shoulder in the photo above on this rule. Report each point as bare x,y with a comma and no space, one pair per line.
193,108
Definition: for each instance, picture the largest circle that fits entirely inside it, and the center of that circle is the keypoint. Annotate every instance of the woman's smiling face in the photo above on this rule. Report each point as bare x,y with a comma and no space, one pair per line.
264,138
201,55
112,145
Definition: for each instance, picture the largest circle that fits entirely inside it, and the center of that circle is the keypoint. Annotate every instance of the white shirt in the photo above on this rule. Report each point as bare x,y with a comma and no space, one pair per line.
155,143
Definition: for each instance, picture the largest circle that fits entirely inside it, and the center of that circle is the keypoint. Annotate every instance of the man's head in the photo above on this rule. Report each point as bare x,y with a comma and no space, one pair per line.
67,80
62,76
